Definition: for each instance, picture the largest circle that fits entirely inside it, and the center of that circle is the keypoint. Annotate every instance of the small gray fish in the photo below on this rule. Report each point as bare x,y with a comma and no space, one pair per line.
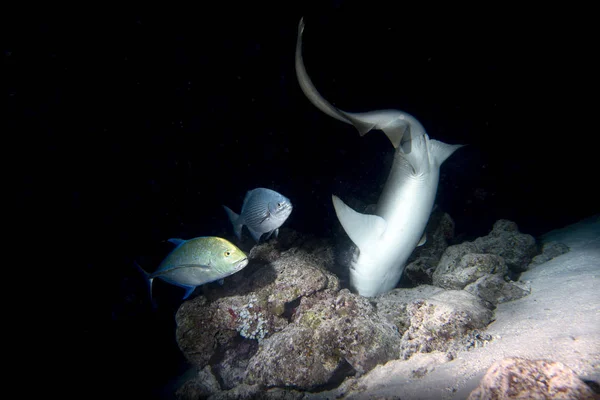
263,211
198,261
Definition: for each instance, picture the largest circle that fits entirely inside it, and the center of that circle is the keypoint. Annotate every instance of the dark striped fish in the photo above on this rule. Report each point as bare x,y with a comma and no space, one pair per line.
263,211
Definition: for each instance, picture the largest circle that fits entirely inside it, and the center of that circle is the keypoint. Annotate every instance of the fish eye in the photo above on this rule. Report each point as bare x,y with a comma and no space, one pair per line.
227,253
280,204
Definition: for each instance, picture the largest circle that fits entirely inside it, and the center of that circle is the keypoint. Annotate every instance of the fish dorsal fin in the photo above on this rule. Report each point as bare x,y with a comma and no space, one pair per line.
247,197
361,228
176,242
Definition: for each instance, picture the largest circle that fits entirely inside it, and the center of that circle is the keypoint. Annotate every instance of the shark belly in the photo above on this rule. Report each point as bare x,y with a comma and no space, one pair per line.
405,205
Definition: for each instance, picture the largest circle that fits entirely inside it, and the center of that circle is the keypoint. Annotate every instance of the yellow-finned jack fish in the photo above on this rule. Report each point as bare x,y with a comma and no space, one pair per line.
198,261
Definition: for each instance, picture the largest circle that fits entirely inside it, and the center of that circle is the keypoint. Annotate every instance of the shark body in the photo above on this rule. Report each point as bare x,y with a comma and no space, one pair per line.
386,240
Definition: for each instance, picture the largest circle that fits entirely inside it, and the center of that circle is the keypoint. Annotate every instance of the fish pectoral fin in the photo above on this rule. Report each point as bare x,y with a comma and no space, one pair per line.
266,217
171,269
423,240
274,232
361,228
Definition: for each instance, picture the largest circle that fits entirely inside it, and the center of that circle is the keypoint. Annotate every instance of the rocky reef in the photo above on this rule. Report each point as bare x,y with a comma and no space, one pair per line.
287,327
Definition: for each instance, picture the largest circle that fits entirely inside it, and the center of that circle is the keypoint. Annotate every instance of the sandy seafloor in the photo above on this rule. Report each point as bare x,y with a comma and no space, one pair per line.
558,321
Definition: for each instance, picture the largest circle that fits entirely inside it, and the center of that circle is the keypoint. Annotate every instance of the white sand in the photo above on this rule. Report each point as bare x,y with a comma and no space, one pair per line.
558,321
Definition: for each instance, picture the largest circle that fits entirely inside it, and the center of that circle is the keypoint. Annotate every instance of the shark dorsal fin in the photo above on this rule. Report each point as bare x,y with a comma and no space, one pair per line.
361,228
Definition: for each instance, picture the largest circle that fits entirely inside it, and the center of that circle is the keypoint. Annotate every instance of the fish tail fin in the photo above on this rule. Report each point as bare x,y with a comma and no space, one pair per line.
235,221
149,281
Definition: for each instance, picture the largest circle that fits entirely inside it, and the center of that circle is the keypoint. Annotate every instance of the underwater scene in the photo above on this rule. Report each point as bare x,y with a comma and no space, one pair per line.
311,200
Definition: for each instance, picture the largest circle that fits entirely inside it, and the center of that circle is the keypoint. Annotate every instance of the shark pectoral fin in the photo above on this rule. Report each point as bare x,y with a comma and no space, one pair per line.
361,228
423,240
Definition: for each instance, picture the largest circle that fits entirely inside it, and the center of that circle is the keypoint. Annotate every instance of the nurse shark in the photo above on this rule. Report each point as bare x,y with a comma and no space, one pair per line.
386,239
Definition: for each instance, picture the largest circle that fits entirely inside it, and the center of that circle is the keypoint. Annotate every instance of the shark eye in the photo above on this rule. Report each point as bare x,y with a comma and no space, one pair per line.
279,205
227,253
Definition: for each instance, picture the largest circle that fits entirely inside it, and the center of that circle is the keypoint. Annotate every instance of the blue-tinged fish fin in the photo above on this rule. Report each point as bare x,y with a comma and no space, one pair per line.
235,221
149,281
176,242
266,217
273,233
361,228
188,291
256,235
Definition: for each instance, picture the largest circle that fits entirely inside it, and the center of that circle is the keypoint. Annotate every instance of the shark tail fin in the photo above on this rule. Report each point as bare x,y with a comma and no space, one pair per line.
309,89
235,221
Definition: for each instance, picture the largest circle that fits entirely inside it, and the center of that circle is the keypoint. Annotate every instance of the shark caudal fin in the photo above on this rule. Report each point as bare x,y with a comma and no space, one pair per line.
361,228
309,89
397,125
